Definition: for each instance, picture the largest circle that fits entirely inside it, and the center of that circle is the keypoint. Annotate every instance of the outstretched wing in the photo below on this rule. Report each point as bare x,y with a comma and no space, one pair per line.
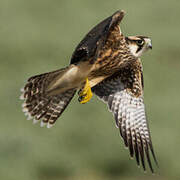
94,40
129,113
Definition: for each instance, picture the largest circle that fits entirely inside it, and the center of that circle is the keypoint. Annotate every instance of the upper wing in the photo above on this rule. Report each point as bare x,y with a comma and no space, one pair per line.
129,113
95,39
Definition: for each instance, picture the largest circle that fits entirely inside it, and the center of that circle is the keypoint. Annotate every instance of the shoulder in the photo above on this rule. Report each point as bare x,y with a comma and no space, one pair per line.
95,38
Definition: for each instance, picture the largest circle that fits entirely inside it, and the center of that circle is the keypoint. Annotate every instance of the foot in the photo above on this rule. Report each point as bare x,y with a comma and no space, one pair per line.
85,94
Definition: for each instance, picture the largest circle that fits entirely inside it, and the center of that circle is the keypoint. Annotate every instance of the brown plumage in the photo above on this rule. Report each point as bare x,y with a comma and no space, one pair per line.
110,61
112,56
123,93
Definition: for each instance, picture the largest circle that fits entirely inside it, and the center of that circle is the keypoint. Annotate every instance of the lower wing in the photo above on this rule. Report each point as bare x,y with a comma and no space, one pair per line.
129,114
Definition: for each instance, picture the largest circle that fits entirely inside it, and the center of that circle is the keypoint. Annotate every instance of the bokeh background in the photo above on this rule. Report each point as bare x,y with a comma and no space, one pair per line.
38,36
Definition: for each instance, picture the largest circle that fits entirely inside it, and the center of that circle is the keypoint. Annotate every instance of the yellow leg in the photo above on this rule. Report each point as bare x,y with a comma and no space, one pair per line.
85,94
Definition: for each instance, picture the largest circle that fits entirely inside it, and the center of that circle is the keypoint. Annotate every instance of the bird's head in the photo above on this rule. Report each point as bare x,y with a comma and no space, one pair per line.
138,44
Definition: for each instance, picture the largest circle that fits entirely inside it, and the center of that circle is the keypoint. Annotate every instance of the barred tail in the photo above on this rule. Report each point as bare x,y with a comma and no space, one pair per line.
43,107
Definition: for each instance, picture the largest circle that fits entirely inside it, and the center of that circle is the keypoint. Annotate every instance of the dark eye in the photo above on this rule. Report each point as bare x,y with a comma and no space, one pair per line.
140,42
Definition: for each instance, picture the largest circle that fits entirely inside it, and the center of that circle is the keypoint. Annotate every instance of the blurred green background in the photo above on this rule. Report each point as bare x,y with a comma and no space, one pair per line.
38,36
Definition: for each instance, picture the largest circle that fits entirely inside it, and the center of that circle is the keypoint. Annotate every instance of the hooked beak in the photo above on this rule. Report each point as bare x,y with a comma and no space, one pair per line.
149,44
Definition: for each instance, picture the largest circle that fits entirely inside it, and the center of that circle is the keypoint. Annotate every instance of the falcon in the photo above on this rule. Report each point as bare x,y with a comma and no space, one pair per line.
107,64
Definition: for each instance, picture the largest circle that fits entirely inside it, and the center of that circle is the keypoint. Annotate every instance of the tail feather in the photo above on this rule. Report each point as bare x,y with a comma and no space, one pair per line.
37,85
40,106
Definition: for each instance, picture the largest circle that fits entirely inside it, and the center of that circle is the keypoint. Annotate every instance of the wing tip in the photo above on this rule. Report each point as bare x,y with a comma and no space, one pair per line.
118,16
119,13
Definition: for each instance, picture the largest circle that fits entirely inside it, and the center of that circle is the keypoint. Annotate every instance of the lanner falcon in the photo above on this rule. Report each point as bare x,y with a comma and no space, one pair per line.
107,64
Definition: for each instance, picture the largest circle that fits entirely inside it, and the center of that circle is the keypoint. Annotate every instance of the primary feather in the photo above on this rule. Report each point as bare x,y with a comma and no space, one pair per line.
126,103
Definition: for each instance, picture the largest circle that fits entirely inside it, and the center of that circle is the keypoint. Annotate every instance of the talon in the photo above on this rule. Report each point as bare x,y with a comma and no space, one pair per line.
79,92
85,94
81,98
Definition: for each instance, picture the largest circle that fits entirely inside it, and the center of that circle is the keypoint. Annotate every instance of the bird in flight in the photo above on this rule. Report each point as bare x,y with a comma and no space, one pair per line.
107,64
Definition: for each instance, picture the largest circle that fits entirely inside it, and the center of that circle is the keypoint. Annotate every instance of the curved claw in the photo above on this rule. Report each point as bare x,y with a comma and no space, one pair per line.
80,98
85,94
